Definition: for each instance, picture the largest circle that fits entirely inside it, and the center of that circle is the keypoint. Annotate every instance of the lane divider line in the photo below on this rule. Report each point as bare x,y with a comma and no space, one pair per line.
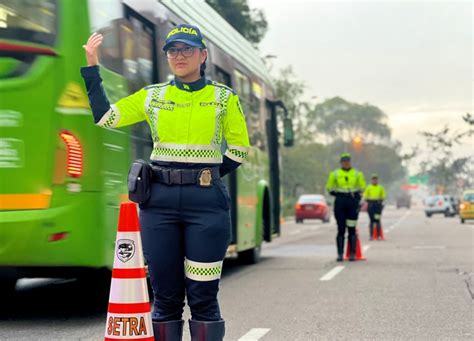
394,225
331,274
254,334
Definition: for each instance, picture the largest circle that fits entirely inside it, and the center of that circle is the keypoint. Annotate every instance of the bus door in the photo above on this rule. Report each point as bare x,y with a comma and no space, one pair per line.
272,136
276,109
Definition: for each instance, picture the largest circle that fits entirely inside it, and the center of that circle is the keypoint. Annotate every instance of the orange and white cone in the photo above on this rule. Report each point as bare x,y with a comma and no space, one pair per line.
128,315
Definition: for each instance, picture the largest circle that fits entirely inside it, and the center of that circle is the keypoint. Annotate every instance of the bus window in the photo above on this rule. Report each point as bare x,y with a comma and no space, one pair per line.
105,18
137,51
222,77
242,85
25,21
28,20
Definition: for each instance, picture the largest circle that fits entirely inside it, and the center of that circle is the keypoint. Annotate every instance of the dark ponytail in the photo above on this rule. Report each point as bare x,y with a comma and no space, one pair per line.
203,68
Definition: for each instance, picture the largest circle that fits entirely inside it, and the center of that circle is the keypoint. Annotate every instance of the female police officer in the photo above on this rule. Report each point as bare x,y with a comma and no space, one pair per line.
186,222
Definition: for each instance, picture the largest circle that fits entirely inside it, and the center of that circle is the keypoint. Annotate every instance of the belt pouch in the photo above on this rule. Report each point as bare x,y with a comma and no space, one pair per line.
139,181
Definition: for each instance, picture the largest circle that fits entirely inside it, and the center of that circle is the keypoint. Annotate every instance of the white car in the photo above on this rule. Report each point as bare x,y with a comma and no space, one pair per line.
441,204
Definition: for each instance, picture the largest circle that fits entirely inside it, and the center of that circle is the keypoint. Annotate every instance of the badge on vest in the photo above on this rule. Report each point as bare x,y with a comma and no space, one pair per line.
205,178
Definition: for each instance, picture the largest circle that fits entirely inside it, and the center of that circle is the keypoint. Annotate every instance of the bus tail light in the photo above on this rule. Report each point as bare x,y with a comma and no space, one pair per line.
74,154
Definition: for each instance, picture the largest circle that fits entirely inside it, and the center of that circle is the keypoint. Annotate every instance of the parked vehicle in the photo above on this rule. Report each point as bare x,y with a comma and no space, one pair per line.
439,204
312,206
403,200
466,208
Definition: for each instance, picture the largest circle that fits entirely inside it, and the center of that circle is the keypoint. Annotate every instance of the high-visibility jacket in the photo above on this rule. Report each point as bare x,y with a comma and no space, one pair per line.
374,192
188,121
345,181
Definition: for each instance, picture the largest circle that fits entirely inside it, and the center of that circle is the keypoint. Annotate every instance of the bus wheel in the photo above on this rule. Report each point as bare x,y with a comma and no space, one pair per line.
251,256
97,281
7,286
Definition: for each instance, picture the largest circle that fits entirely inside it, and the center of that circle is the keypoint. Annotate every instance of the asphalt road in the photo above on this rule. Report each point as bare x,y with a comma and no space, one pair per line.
418,284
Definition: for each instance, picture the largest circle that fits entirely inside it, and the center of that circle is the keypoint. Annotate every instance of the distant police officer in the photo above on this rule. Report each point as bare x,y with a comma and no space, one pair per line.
374,195
346,184
186,222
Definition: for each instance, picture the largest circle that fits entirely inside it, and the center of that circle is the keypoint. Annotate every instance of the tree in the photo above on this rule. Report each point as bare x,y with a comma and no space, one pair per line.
251,23
445,170
291,91
469,119
337,118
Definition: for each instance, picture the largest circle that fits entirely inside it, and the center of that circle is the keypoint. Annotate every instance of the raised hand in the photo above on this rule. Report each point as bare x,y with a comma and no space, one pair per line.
91,47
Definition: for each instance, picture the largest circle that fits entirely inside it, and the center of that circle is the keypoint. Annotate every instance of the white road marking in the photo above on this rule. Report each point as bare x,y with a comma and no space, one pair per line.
331,274
366,247
254,334
391,227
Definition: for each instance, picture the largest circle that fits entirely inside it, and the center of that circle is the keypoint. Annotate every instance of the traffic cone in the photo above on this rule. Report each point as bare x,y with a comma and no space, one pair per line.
376,235
128,315
374,231
358,253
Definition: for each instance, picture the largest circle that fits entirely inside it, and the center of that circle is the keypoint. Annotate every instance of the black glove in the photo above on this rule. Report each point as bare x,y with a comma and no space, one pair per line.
333,193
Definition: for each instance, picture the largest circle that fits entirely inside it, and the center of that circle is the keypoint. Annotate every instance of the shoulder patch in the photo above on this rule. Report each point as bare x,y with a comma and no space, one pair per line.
219,85
160,85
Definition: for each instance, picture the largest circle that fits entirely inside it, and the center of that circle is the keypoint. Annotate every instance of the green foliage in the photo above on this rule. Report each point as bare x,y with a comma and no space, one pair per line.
251,23
291,91
444,169
338,118
302,172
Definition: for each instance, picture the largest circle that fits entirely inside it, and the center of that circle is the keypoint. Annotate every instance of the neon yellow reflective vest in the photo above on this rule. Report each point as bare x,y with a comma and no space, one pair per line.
374,192
187,121
345,181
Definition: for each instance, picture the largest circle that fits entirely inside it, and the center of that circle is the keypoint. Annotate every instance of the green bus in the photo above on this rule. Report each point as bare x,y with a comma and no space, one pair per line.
63,178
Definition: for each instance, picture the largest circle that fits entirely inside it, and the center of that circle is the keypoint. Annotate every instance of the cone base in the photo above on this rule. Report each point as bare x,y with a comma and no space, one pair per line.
375,235
356,259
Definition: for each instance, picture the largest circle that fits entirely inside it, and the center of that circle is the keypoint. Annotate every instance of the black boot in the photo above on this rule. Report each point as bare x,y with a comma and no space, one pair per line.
207,330
340,248
168,330
352,247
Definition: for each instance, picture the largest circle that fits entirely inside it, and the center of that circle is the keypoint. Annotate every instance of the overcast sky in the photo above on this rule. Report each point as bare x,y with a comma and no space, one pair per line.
413,59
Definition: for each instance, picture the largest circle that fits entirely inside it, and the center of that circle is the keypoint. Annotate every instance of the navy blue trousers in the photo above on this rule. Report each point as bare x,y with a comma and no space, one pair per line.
375,212
346,211
185,233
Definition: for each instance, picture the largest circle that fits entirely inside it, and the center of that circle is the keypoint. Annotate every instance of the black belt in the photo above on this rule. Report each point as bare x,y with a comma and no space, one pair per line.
374,201
347,194
172,176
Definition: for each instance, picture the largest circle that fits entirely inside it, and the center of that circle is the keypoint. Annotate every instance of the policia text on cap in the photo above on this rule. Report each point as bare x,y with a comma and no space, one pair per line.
186,222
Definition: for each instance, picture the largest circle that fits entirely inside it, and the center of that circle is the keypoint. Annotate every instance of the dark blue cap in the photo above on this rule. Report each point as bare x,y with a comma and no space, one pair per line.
187,34
345,157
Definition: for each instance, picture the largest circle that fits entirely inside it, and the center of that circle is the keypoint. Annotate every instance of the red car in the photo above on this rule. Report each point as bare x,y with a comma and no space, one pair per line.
312,206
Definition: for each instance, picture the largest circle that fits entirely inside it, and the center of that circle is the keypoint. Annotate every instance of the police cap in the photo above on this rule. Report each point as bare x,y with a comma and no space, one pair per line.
345,157
187,34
